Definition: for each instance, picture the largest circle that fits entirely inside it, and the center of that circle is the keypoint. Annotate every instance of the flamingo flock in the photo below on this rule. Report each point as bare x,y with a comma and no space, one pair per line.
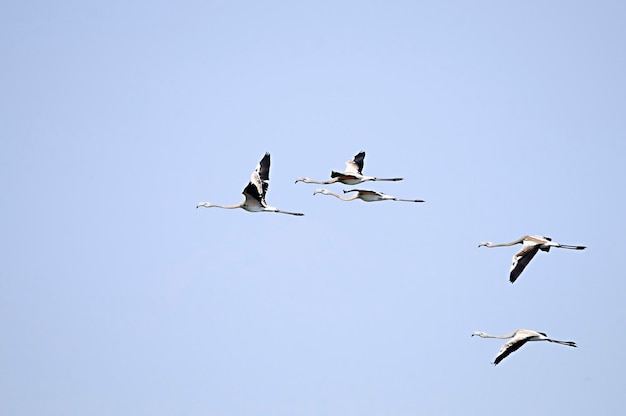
256,190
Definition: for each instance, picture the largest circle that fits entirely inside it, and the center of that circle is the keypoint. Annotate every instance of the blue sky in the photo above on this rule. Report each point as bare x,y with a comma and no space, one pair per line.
118,297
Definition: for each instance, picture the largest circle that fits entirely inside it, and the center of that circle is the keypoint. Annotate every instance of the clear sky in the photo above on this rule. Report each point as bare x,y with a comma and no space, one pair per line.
118,297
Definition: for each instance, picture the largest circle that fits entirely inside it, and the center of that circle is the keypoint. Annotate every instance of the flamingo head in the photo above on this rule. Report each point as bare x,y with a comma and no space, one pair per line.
321,191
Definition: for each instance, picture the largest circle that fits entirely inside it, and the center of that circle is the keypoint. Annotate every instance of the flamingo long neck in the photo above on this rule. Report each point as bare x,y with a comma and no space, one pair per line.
349,198
512,243
511,335
309,180
210,205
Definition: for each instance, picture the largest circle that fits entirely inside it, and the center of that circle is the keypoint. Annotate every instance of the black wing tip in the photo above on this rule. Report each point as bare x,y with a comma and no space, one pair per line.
265,159
263,168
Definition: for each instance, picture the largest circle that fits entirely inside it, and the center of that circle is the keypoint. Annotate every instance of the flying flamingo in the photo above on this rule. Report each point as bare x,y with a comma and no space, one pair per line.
531,244
519,338
365,195
254,192
351,176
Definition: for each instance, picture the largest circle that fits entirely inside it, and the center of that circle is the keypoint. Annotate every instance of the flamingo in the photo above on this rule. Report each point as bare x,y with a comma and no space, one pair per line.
254,192
519,338
531,244
351,176
365,195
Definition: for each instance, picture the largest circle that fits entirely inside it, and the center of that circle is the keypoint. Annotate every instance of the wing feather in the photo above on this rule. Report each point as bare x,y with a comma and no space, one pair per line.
257,188
521,260
356,164
263,168
509,348
251,192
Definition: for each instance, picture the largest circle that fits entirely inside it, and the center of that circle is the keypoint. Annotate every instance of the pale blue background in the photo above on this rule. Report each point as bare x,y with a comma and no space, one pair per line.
118,297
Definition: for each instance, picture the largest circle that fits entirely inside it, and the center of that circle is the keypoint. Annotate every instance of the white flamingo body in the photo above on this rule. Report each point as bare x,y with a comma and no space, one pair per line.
518,339
353,175
254,192
531,244
364,195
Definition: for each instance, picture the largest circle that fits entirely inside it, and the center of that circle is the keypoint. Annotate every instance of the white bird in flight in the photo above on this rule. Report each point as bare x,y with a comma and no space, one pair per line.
254,192
531,244
365,195
519,338
353,174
